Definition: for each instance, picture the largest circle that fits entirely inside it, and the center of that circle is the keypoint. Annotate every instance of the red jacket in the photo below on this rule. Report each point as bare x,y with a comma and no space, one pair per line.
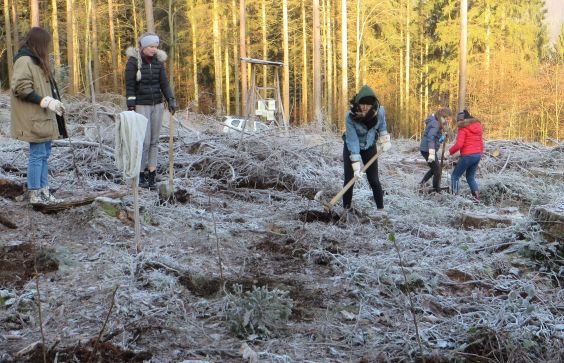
469,138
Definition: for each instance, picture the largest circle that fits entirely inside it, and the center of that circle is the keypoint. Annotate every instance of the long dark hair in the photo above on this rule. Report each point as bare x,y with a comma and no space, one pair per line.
37,41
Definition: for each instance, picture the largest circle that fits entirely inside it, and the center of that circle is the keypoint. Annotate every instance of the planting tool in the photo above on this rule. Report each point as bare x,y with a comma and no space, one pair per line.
329,205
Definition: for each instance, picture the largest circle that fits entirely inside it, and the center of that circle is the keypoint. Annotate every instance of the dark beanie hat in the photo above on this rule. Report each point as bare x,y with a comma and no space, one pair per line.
464,115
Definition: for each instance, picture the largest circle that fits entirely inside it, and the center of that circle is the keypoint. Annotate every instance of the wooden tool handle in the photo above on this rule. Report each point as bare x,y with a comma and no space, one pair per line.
351,182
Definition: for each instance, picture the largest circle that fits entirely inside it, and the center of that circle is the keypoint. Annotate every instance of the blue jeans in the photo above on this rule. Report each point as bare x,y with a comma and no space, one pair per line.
469,164
37,171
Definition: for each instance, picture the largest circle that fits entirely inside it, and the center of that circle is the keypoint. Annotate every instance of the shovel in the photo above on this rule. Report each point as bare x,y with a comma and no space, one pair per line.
329,205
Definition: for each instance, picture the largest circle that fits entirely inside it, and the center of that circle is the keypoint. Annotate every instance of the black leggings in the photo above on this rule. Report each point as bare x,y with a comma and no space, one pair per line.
434,172
371,174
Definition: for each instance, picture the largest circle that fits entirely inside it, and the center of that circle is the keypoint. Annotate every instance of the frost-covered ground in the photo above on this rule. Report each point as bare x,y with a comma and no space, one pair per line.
233,269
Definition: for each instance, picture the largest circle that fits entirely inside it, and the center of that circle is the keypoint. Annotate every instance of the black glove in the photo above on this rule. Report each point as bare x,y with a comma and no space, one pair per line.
172,106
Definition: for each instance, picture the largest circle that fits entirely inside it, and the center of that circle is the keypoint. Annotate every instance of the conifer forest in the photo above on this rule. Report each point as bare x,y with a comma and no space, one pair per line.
176,179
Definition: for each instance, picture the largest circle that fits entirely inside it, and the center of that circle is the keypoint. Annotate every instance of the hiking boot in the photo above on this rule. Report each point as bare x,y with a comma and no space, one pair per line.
152,175
36,197
47,196
476,196
143,179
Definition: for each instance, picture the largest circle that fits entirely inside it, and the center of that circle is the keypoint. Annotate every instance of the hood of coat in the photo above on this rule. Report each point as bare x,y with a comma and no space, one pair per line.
25,52
431,118
365,92
471,124
135,53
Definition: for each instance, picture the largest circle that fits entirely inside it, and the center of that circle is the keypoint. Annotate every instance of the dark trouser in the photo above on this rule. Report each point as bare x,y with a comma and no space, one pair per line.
434,172
371,174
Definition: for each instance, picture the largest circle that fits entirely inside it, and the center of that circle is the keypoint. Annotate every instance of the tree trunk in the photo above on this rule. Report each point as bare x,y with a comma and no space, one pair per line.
149,16
407,67
16,28
113,56
95,54
56,46
487,18
73,88
227,82
88,79
194,52
329,75
135,23
286,76
426,76
264,44
172,51
217,59
236,59
305,81
463,53
34,12
357,53
344,61
401,74
10,49
316,65
243,48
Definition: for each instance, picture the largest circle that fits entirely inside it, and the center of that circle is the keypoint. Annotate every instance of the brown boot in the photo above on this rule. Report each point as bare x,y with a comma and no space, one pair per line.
476,196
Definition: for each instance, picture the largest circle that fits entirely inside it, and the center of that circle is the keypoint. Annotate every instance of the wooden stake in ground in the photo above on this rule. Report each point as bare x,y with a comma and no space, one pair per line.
170,155
134,185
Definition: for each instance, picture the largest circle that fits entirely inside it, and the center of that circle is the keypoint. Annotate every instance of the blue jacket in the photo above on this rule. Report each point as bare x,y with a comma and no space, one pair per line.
358,137
430,138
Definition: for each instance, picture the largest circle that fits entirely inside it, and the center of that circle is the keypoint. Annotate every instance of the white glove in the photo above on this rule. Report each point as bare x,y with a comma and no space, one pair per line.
53,104
431,157
356,169
384,142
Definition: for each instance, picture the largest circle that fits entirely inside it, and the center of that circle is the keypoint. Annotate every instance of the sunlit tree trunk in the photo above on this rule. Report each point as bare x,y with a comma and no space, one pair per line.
357,53
217,59
344,61
9,47
329,75
264,44
286,73
55,33
172,50
236,60
305,71
113,50
335,46
426,77
227,82
135,22
407,66
463,53
87,79
149,16
194,52
401,89
34,12
487,51
95,54
243,48
15,23
316,64
73,81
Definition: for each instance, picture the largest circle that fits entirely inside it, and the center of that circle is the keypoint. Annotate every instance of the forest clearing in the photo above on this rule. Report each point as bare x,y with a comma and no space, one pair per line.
246,266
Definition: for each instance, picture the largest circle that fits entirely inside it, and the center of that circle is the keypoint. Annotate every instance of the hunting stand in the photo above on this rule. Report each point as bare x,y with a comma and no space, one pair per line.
260,104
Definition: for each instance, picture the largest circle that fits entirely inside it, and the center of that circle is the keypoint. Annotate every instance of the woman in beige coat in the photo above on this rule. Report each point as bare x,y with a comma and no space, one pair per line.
35,104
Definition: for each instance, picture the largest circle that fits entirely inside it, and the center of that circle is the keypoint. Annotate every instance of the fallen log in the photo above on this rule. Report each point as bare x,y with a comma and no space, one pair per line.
12,188
76,201
8,223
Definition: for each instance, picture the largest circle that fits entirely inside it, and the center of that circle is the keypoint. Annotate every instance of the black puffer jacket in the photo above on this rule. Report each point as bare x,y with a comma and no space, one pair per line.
153,83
